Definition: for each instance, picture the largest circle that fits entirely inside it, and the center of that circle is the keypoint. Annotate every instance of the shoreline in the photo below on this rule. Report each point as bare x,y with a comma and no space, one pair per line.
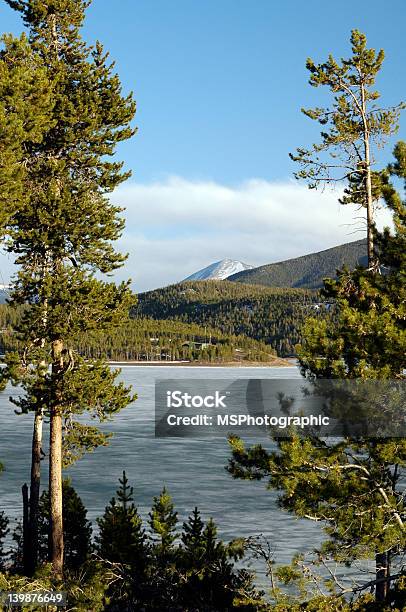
277,363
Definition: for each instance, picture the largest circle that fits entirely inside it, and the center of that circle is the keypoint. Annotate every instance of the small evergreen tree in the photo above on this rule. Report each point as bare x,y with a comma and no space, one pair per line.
77,530
161,588
192,537
122,538
163,520
210,581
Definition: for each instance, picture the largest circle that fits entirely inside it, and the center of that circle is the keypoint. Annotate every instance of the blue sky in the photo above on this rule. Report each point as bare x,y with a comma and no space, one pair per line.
219,85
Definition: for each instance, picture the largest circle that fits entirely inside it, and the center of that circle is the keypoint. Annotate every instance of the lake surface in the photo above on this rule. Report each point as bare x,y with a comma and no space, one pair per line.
192,469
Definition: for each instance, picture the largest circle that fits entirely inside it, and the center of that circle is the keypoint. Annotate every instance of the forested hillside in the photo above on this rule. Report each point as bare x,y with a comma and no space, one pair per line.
271,315
307,271
153,340
213,321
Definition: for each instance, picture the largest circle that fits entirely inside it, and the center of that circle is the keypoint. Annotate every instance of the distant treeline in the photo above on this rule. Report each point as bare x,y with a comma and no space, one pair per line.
210,321
144,339
270,315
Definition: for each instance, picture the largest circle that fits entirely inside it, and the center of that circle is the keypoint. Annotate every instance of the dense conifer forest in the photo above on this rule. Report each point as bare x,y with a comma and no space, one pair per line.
270,315
205,321
144,339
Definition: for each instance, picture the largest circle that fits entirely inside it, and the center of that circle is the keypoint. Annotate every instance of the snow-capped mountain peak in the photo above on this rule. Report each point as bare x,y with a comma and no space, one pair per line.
220,270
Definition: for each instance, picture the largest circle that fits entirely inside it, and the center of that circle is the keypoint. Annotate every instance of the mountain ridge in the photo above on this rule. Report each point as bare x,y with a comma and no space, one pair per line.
306,271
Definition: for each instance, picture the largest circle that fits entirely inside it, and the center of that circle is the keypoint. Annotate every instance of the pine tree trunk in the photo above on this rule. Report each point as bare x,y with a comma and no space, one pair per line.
32,561
55,494
369,204
55,469
368,181
26,531
36,467
382,572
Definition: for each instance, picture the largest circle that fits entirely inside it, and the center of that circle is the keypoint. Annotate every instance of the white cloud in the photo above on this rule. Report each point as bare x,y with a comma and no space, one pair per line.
177,226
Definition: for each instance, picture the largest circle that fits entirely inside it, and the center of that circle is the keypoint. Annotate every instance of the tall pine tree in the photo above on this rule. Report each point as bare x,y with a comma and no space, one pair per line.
353,126
353,486
61,225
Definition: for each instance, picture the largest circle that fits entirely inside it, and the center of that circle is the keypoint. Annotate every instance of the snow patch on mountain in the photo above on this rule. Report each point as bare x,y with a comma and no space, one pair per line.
220,270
